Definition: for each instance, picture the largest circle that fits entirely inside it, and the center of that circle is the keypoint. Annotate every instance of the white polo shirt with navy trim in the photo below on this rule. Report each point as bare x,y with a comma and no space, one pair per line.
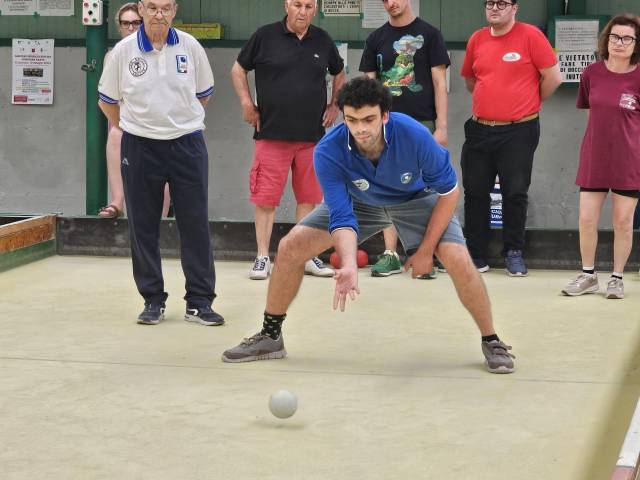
158,90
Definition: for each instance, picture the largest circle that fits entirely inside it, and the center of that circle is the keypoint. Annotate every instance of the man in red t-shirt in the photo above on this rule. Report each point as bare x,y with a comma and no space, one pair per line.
509,68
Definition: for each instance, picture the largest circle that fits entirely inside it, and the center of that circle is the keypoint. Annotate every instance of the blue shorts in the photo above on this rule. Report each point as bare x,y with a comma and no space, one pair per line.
409,218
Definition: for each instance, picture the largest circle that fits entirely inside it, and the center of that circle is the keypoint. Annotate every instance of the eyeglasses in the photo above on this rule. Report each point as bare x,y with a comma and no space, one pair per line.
133,23
501,5
626,40
153,10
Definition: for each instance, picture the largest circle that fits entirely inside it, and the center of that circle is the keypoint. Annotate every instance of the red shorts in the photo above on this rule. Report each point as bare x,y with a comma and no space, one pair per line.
270,169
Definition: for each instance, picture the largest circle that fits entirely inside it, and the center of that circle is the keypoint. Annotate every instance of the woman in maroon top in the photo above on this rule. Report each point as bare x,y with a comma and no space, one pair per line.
610,152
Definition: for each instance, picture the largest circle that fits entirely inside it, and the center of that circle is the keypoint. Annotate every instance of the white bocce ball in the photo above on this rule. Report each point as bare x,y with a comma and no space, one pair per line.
283,404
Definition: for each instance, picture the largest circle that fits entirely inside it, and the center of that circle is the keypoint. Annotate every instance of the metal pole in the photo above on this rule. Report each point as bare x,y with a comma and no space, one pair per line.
96,124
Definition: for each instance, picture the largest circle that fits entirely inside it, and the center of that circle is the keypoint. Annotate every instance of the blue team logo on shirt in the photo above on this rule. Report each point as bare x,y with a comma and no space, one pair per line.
181,63
362,184
406,177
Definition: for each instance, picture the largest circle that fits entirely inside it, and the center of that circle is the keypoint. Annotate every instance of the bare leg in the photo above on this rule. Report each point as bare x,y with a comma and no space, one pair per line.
113,168
166,203
302,210
469,286
264,218
623,209
300,244
390,238
590,207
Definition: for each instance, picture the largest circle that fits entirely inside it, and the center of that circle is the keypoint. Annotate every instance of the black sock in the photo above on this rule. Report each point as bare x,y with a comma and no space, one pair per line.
490,338
272,325
616,276
590,272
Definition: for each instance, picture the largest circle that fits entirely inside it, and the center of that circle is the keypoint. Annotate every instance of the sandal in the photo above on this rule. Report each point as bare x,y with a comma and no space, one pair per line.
110,211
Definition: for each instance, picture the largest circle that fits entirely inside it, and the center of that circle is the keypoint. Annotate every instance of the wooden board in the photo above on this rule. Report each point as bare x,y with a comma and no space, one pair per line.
26,233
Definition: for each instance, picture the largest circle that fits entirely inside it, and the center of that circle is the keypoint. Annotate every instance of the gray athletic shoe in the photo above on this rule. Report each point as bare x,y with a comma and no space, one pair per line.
583,283
498,358
615,288
256,347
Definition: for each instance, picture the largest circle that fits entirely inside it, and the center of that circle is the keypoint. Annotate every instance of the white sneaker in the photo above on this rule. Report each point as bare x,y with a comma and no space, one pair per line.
261,268
316,268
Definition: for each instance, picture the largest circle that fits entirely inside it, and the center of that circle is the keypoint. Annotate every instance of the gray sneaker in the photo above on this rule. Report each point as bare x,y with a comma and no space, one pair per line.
583,283
256,347
615,288
498,358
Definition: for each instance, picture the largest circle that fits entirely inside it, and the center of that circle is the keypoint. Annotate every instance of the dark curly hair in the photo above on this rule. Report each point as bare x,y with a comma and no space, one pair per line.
364,91
627,20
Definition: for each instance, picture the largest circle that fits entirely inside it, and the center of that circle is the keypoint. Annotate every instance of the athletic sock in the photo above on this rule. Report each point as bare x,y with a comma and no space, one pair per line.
617,275
490,338
589,270
272,325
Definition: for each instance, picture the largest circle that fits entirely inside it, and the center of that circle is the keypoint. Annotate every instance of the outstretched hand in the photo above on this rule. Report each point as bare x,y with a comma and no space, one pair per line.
346,284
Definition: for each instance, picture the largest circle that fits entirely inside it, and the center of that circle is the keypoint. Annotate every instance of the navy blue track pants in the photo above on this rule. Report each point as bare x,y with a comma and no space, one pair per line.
146,165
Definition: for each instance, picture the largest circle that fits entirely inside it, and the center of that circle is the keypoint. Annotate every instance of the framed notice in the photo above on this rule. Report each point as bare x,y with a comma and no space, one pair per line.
577,35
341,8
572,64
32,72
45,8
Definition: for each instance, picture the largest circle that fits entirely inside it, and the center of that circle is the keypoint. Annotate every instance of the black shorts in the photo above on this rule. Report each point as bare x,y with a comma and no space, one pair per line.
624,193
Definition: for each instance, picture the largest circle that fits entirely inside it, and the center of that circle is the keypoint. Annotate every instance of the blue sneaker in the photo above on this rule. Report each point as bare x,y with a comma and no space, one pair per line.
515,264
152,314
204,316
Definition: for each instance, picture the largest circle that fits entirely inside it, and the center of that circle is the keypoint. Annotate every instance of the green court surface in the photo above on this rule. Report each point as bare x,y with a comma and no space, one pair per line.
393,388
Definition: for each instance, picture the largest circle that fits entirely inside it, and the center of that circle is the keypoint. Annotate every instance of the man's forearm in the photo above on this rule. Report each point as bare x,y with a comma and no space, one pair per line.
550,81
338,82
470,83
345,242
439,221
111,111
439,75
241,84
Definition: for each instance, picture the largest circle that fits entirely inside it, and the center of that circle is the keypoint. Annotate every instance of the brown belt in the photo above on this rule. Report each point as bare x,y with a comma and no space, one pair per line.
493,123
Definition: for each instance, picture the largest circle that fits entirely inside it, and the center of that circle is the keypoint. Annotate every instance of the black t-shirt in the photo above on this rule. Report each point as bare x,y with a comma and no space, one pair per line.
402,58
290,79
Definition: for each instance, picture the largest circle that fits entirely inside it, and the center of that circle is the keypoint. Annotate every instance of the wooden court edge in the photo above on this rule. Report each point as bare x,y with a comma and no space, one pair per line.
627,464
22,256
27,232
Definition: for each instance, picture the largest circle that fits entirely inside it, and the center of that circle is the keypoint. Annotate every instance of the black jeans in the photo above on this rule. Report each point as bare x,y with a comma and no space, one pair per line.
146,166
505,150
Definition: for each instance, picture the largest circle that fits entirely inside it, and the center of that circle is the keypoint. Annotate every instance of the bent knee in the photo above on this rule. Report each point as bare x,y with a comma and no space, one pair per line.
451,254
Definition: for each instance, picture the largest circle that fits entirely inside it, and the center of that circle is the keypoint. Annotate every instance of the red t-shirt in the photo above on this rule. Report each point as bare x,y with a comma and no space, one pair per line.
506,69
610,152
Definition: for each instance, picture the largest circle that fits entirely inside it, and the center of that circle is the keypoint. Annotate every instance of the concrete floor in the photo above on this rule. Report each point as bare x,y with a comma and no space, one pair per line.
393,388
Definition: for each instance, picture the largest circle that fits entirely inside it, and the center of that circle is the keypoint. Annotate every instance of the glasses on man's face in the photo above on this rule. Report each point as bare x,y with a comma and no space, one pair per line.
132,23
501,5
153,10
625,40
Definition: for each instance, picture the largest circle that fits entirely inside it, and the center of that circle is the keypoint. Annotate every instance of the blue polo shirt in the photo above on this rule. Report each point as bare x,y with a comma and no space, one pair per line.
411,162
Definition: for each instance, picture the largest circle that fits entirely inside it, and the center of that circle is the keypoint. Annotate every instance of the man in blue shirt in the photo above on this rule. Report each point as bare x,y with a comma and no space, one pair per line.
375,170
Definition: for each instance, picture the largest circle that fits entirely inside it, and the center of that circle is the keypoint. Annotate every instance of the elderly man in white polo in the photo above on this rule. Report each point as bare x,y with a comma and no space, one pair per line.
155,87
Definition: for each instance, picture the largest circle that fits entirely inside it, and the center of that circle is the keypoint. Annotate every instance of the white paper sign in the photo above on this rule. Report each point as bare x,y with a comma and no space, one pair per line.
339,8
32,72
577,35
45,8
375,15
572,64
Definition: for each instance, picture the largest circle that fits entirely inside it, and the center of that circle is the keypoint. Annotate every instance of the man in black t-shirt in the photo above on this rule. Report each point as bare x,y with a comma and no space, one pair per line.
291,59
408,56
